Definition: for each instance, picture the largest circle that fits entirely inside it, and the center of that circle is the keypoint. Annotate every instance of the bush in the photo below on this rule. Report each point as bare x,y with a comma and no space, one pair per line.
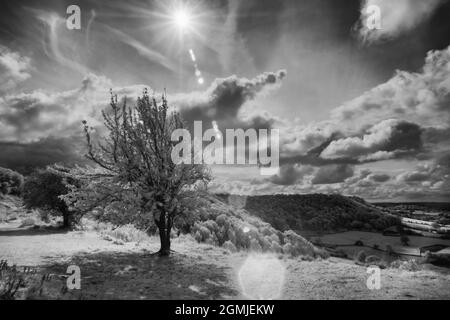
361,257
404,239
407,265
11,182
373,259
43,190
229,246
126,233
389,250
437,259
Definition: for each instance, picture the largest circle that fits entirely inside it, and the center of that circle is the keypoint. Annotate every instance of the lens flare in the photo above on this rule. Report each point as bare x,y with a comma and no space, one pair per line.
262,277
198,73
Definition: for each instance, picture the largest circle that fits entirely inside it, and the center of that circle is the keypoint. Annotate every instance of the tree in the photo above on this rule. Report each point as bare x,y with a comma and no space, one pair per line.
137,157
404,239
11,182
43,189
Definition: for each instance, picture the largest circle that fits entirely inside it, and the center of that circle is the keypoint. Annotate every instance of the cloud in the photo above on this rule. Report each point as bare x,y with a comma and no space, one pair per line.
302,139
421,98
58,47
14,68
406,116
333,174
379,177
27,117
224,99
389,137
26,156
291,174
397,17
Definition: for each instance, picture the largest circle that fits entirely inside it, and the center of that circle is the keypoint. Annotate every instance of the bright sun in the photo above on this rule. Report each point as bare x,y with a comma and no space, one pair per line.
182,19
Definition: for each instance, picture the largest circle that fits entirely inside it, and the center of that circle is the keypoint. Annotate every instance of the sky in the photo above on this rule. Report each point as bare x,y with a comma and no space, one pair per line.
361,111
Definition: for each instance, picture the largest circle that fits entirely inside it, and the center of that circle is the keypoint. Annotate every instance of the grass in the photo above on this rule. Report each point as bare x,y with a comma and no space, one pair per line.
126,233
372,238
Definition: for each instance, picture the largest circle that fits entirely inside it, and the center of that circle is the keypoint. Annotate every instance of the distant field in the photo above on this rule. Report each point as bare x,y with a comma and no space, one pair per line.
443,206
372,238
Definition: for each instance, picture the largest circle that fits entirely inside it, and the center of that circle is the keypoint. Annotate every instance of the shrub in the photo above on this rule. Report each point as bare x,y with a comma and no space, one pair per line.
275,247
437,259
28,222
361,257
288,249
11,280
377,261
373,259
255,246
389,250
43,190
300,246
404,239
321,253
11,182
407,265
229,246
126,233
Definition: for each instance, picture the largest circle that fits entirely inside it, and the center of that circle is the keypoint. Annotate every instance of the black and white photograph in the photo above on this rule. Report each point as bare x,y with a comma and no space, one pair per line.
224,150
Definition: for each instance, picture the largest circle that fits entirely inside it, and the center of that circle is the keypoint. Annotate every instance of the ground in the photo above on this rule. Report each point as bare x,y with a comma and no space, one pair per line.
116,270
198,271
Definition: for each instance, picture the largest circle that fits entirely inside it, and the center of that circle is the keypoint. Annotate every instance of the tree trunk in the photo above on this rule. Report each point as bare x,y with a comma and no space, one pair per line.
164,225
66,220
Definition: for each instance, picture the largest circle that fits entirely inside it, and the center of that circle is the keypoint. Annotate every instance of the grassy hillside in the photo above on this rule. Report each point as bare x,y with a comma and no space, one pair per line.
236,229
317,212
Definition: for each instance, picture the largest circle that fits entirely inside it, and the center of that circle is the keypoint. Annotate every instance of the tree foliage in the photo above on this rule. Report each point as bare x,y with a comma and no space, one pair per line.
44,188
11,182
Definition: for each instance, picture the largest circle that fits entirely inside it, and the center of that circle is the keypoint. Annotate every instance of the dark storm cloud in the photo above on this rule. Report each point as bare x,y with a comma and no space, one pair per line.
39,114
224,99
416,176
333,174
389,139
379,177
386,140
436,135
26,156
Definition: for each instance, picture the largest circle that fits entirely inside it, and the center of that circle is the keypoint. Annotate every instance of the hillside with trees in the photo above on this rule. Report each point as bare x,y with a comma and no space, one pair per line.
318,212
